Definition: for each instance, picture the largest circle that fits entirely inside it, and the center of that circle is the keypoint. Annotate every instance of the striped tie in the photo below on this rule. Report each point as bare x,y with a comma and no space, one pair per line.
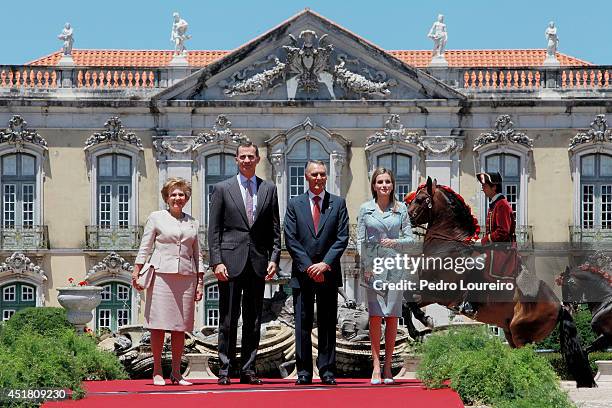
249,201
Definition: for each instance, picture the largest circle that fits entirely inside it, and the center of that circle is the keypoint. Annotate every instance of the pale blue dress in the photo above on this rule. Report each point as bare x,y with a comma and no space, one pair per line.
373,226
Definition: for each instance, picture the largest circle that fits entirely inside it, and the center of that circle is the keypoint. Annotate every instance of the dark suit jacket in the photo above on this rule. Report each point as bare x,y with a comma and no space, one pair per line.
327,245
230,239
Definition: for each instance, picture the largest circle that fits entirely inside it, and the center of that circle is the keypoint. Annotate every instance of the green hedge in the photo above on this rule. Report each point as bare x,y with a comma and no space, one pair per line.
483,370
39,348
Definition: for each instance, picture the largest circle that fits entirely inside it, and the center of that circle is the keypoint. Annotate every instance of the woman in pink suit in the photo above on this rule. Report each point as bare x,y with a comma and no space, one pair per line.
171,238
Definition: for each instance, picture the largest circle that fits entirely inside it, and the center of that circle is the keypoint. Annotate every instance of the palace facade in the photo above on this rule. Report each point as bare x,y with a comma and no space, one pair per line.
89,140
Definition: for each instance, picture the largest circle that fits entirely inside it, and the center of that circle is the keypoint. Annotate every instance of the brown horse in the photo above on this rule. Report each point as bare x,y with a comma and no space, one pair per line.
449,233
591,283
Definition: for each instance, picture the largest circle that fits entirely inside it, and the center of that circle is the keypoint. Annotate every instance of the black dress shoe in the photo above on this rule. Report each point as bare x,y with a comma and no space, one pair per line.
303,381
328,380
224,381
250,379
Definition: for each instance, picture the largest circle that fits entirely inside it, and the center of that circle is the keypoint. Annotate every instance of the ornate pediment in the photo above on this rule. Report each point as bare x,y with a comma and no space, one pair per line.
113,265
221,133
20,265
18,133
307,64
394,131
504,133
114,133
598,133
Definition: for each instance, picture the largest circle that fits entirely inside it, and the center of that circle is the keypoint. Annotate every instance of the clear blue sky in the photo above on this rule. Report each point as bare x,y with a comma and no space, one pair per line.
30,28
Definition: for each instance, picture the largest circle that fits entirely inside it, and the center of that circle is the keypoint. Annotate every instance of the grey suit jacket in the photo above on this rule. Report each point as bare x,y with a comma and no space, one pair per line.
230,239
174,243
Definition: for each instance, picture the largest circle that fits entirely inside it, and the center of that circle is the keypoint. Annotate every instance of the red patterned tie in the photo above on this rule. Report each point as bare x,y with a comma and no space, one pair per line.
316,213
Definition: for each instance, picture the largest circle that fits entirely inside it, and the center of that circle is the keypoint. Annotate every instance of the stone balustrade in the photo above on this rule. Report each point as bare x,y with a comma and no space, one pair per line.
527,79
94,78
472,80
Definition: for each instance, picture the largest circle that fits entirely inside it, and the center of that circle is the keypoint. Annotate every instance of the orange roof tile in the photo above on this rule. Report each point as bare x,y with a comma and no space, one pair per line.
417,58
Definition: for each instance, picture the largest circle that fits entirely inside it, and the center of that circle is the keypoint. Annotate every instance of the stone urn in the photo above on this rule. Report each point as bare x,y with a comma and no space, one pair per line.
79,302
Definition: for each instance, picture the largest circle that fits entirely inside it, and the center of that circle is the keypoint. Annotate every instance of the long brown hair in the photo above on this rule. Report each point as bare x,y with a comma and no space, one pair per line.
377,172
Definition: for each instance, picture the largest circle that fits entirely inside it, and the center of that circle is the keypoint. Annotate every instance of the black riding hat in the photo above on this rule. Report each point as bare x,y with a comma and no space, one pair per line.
489,178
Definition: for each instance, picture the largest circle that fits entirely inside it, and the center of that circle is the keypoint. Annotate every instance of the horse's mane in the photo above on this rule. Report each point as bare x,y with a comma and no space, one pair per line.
596,272
459,207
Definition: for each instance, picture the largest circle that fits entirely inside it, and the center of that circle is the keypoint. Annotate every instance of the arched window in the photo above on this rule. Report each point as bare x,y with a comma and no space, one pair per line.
18,190
114,190
298,157
509,166
596,191
219,167
15,296
401,166
115,309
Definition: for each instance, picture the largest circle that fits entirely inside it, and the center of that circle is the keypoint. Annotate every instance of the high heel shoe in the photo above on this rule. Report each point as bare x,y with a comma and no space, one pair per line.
388,381
375,381
180,380
158,380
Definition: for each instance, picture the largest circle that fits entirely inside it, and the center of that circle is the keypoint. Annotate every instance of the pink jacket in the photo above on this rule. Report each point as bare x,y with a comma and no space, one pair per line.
174,243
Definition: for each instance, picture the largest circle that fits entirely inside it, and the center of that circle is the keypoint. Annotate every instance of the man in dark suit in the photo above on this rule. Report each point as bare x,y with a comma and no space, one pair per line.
244,244
316,234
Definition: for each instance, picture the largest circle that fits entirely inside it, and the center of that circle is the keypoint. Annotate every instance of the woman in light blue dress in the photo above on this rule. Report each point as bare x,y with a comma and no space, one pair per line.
383,227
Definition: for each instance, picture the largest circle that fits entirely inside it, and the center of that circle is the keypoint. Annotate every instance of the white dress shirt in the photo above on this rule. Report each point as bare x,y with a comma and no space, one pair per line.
311,201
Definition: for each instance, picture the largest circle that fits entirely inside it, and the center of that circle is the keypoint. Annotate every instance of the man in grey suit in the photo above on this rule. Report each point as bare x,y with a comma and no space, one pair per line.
244,244
316,233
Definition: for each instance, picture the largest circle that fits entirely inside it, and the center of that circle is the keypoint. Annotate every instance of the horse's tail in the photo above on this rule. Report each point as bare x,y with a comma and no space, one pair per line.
575,358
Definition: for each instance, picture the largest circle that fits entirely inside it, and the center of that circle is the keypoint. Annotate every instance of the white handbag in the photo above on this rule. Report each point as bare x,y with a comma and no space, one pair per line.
145,276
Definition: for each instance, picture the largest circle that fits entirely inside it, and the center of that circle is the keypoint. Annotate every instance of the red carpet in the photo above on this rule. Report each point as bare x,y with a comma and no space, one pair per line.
274,393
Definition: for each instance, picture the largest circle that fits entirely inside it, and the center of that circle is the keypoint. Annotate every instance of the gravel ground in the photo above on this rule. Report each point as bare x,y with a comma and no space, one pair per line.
600,397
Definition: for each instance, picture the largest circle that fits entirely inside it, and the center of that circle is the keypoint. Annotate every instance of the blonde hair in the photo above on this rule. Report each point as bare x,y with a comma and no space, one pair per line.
176,182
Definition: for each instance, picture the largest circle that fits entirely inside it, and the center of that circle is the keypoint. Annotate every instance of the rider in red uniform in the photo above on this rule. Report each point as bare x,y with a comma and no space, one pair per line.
502,260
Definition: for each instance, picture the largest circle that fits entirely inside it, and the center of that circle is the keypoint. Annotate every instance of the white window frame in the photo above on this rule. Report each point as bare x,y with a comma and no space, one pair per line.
33,294
212,292
92,155
39,153
123,278
4,293
119,311
99,319
215,319
5,311
576,154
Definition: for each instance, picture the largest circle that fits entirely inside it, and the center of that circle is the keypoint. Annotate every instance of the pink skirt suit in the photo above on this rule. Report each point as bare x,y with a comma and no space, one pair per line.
176,258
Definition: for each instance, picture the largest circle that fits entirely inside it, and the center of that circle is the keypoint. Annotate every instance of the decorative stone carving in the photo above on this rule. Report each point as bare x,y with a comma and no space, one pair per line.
278,164
598,133
394,131
306,66
222,133
258,82
359,84
114,133
179,35
113,264
504,133
440,145
20,264
339,159
67,36
18,133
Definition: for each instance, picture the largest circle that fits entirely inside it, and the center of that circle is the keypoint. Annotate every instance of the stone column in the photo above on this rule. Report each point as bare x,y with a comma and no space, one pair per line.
442,160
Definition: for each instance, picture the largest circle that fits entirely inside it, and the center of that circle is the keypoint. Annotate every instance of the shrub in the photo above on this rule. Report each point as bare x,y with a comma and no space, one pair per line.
42,320
34,354
483,370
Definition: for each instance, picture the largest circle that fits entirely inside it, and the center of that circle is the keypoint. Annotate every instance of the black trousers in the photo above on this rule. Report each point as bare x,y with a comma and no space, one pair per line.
249,288
327,312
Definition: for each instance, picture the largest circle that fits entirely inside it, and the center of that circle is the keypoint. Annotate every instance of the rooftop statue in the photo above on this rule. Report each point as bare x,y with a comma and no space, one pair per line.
179,33
553,40
439,36
67,36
